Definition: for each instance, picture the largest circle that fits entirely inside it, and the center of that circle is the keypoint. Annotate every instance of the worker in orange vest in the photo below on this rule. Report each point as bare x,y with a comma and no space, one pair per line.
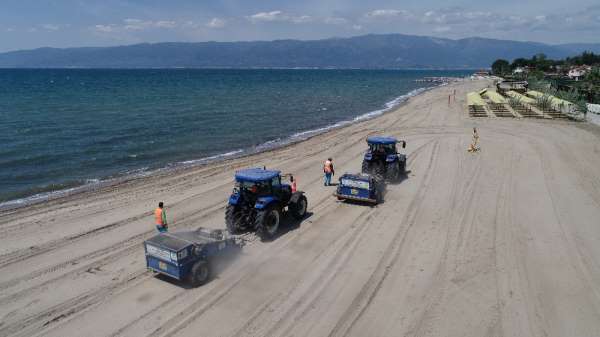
328,170
161,218
293,183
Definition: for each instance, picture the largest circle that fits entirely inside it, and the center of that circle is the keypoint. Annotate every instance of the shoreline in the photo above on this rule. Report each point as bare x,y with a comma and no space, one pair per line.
95,184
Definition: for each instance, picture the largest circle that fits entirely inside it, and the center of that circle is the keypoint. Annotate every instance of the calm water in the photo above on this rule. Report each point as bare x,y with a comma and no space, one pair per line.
66,128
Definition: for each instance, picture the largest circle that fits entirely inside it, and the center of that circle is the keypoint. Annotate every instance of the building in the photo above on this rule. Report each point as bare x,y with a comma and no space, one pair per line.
576,73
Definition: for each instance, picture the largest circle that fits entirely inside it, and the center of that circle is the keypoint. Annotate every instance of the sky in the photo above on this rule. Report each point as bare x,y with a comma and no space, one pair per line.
27,24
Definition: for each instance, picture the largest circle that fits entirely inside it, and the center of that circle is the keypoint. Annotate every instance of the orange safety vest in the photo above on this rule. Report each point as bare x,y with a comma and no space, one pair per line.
327,166
158,216
294,186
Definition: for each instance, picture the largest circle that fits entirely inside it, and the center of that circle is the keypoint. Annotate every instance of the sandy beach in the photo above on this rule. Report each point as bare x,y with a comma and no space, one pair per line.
504,242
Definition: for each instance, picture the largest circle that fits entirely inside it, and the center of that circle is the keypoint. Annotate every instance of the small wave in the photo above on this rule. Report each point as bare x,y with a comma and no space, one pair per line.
53,194
212,158
369,115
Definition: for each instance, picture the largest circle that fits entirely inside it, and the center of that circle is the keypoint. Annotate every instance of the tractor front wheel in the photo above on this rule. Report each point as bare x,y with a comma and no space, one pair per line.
298,208
267,222
200,273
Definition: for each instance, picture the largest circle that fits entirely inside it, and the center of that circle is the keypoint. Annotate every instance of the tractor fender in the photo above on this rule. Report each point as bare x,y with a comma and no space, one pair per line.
296,196
391,158
234,199
264,202
368,156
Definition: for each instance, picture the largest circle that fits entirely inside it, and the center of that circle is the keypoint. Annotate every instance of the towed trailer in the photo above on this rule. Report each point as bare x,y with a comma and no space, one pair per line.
188,255
360,187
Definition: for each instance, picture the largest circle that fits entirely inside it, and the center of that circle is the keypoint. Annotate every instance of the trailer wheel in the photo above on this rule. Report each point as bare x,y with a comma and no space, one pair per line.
298,208
267,222
200,273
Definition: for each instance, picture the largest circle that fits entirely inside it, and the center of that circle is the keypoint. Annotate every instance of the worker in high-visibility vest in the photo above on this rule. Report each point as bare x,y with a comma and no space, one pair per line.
328,170
160,218
293,183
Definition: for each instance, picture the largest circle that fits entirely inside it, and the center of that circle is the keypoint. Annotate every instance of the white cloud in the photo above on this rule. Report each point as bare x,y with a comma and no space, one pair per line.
278,16
134,25
50,27
216,23
105,28
335,21
268,16
442,29
357,27
301,19
165,24
387,13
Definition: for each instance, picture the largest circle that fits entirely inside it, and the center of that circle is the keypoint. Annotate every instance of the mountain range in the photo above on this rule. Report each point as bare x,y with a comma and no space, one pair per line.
396,51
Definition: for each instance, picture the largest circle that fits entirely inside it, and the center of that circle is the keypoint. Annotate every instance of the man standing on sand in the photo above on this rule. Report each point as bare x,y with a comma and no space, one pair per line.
328,170
473,147
161,218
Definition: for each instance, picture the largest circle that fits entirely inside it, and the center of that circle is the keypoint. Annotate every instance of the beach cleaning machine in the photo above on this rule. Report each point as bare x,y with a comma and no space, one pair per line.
188,255
360,187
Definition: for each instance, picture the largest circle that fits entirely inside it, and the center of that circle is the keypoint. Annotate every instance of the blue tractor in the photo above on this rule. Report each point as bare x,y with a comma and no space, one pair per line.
259,200
189,255
360,187
382,158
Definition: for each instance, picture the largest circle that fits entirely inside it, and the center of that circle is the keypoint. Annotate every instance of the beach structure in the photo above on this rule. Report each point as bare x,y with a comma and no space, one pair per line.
477,106
518,86
551,105
523,105
498,104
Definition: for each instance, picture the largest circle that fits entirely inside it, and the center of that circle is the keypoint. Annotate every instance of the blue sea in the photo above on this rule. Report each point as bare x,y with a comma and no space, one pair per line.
63,129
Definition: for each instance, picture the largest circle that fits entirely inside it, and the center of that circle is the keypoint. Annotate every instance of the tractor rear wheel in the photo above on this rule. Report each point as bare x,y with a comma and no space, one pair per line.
366,167
199,274
298,208
267,222
233,218
393,171
378,170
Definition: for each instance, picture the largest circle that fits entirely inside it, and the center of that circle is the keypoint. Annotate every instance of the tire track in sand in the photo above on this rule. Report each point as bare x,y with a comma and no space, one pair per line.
370,289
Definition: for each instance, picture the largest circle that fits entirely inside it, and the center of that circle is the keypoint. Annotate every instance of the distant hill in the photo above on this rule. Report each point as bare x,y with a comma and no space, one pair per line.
368,51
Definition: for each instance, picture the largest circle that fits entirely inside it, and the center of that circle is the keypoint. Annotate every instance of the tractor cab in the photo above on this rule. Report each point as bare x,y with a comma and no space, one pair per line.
382,146
253,184
258,201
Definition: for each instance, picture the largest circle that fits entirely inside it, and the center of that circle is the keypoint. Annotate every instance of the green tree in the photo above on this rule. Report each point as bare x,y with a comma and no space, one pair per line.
500,67
593,77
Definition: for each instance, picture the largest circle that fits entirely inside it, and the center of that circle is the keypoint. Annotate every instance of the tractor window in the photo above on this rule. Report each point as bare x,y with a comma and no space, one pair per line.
253,187
276,182
383,148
